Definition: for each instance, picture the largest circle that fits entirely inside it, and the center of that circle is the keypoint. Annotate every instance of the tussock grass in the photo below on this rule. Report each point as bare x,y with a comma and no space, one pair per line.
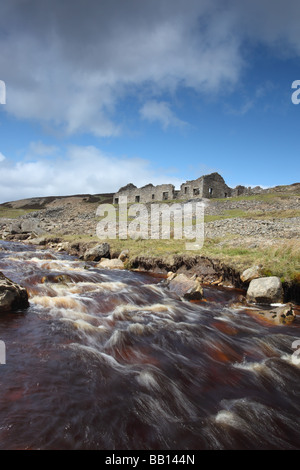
14,213
263,215
281,259
265,197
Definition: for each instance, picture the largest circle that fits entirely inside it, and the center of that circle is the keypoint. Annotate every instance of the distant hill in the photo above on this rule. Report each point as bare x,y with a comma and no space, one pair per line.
37,203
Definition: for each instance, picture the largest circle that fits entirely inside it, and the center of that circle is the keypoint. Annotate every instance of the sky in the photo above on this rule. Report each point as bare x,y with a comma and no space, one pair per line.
97,94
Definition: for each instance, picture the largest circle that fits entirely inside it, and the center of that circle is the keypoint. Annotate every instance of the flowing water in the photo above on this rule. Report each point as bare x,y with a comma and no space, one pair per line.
112,360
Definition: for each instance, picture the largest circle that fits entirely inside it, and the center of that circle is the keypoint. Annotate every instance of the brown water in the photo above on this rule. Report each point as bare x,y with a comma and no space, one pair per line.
112,360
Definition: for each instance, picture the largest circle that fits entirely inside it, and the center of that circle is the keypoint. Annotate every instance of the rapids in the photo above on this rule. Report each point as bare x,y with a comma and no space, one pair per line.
112,360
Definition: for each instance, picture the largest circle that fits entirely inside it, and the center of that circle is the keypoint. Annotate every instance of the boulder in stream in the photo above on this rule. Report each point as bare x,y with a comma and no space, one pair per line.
265,290
12,296
189,288
97,252
278,315
111,264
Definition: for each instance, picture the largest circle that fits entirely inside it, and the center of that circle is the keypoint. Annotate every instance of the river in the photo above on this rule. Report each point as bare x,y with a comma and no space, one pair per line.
110,359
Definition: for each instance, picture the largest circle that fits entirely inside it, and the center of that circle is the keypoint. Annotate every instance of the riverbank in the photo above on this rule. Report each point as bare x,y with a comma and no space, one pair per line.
209,272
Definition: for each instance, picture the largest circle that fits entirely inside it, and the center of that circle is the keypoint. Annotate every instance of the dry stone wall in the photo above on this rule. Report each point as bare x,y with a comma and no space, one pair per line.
207,186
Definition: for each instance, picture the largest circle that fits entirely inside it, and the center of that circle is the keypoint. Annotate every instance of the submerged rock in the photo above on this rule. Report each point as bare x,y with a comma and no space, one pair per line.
12,296
283,315
56,279
111,264
265,290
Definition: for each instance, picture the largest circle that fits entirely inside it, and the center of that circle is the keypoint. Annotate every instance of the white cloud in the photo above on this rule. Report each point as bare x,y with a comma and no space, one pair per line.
83,170
71,69
161,112
2,157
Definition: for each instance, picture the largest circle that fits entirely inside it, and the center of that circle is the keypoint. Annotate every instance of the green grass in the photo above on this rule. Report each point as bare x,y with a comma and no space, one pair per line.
14,213
281,259
239,213
265,197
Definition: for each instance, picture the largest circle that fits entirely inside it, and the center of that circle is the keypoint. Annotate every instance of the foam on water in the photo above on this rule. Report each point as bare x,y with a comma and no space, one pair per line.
229,419
112,360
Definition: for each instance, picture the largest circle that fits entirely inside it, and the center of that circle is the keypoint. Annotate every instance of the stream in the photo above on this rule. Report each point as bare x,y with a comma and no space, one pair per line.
110,359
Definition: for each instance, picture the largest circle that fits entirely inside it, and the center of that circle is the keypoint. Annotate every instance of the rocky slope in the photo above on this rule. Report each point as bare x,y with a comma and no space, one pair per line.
77,215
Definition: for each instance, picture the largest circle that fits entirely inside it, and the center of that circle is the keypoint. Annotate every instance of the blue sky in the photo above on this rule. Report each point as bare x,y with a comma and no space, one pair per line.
100,94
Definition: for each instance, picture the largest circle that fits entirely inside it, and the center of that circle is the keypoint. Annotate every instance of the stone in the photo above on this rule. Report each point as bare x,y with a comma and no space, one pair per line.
60,247
111,264
124,255
286,313
31,226
251,273
283,315
39,241
186,287
97,252
12,295
171,275
15,227
265,290
57,279
26,226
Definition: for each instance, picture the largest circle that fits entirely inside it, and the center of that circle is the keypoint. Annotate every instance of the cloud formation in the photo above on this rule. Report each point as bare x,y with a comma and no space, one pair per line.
82,170
69,64
160,111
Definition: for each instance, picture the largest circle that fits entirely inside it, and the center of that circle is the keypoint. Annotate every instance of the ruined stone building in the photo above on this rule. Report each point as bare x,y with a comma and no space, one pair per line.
147,193
207,186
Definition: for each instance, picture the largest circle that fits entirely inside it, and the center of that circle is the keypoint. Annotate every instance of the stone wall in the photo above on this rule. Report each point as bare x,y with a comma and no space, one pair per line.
191,189
148,193
214,186
207,186
239,190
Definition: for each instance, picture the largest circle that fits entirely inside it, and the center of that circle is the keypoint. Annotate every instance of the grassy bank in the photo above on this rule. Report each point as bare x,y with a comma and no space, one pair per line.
281,259
256,215
8,213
